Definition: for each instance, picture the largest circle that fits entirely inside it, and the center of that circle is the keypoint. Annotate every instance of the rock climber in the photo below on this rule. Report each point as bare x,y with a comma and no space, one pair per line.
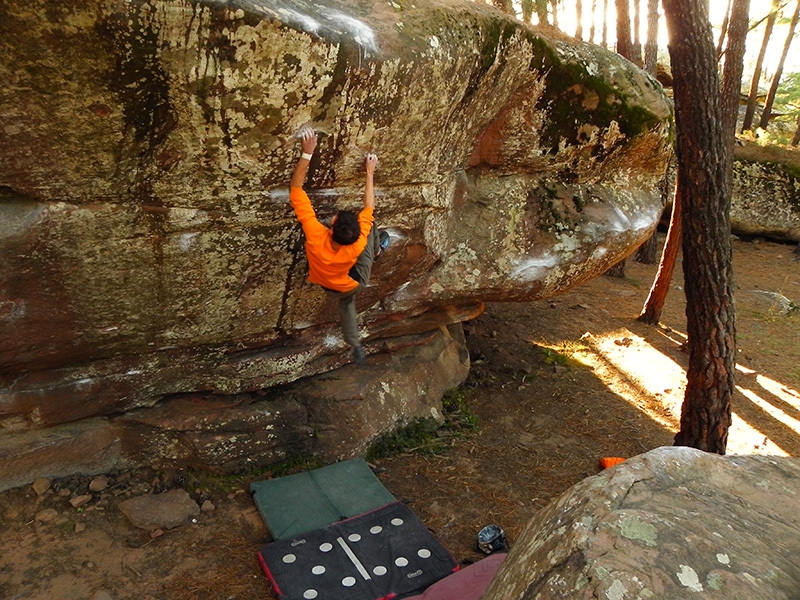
340,257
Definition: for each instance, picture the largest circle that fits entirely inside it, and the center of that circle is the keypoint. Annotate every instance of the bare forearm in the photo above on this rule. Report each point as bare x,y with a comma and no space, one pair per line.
369,192
370,162
300,172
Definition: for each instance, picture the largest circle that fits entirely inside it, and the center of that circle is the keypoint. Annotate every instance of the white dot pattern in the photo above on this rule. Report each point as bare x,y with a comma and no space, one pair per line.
349,581
401,561
310,594
397,521
289,559
380,570
354,537
375,529
424,553
318,570
326,547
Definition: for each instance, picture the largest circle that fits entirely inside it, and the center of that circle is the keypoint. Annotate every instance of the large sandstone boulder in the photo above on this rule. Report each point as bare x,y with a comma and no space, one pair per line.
766,200
148,248
671,524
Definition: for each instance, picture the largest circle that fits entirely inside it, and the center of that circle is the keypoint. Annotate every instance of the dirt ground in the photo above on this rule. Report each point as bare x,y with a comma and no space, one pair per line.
556,385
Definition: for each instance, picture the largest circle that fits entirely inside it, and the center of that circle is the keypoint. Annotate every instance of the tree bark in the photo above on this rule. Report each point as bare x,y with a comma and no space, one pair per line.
636,47
527,11
752,99
604,39
702,154
651,45
623,29
723,30
651,312
592,28
732,71
618,270
773,89
579,19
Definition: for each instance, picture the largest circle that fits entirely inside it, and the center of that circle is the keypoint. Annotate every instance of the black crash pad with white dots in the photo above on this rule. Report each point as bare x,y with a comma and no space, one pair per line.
386,553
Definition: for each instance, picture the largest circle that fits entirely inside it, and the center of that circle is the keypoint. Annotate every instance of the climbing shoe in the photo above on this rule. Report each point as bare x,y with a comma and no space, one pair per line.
383,242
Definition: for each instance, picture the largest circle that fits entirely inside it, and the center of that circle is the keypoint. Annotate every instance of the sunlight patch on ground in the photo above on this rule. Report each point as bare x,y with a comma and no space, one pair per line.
637,372
655,384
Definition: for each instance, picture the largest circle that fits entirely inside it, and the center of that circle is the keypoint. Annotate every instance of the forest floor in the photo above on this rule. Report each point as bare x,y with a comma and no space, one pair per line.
555,386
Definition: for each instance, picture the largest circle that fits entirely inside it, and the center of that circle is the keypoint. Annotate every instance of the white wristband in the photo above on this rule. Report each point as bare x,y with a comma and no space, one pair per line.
306,155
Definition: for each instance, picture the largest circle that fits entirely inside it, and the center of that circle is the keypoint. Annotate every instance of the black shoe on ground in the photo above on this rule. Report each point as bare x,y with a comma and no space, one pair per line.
359,356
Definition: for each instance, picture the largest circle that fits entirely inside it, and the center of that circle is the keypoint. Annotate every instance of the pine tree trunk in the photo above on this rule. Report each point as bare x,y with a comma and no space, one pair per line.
651,45
579,19
703,157
623,29
592,28
651,312
604,40
734,66
773,89
723,30
636,47
752,99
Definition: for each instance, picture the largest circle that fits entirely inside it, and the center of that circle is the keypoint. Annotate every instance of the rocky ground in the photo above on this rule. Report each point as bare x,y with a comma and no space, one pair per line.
555,386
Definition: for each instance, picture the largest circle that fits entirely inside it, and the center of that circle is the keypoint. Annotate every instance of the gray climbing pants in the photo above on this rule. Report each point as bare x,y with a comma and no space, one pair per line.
361,272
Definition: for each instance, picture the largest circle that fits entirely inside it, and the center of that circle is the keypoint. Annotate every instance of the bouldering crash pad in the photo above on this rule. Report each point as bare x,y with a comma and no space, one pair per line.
305,501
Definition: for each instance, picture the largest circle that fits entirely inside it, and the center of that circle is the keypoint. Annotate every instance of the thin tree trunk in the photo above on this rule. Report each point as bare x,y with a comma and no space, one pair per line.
651,312
592,28
623,29
604,40
733,68
527,11
579,19
723,30
773,89
702,153
752,99
636,48
651,45
541,11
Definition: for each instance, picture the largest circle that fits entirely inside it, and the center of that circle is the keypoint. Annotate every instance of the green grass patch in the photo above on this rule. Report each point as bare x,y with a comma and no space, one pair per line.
426,435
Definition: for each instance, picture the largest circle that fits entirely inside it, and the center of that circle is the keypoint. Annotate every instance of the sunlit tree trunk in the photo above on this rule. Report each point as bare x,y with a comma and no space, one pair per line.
702,155
648,252
636,48
527,11
651,45
579,19
623,29
651,312
604,39
723,30
773,89
592,28
729,100
738,27
752,99
541,11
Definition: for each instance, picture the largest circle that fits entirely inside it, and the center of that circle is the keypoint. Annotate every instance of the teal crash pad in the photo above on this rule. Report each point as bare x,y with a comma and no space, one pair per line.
299,503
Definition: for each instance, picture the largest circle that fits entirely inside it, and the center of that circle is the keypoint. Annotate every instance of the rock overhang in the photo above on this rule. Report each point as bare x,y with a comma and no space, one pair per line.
149,246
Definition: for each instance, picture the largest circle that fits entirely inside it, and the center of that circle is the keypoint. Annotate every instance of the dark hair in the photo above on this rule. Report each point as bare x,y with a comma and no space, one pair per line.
346,228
